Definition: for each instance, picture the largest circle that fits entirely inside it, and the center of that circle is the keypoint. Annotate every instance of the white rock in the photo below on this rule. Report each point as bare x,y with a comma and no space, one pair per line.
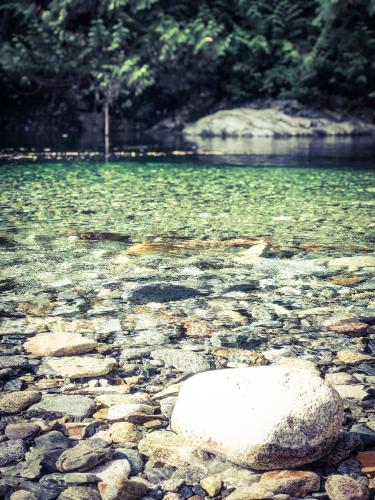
265,417
112,469
117,399
351,391
81,366
124,411
59,344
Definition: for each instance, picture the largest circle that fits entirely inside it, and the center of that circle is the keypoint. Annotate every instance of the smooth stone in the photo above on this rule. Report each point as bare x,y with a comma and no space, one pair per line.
80,493
265,417
254,492
15,402
168,448
73,406
14,362
12,452
124,432
22,430
133,457
81,366
84,456
161,293
116,399
186,361
59,344
352,358
119,468
79,478
367,435
122,488
293,482
126,411
345,488
355,391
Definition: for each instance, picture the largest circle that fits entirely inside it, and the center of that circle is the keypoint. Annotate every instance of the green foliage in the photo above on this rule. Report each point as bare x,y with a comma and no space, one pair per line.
113,50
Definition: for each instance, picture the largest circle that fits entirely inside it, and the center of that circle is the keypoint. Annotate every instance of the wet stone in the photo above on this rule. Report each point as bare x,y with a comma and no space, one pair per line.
161,293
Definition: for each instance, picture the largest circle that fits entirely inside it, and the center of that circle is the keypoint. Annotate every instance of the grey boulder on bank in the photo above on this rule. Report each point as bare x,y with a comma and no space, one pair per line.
275,122
266,417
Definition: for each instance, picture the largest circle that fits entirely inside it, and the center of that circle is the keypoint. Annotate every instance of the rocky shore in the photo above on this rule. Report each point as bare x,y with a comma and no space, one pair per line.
278,119
270,360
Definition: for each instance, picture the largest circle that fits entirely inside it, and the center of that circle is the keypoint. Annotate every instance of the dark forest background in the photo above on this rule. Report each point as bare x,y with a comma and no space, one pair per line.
146,60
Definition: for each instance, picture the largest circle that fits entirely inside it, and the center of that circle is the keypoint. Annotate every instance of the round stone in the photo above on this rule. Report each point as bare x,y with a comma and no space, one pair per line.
267,417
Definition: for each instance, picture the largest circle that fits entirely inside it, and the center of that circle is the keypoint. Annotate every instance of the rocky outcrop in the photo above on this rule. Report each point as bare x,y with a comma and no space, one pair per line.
276,122
261,417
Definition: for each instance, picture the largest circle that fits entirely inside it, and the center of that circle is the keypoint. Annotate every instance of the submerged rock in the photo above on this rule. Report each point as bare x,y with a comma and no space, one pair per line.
186,361
161,293
81,366
262,417
59,344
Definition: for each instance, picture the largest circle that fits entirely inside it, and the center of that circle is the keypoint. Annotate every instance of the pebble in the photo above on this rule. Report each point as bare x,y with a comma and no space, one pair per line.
15,402
122,488
84,456
352,328
59,344
211,485
186,361
352,358
129,411
124,432
293,482
81,366
345,488
60,405
22,430
80,493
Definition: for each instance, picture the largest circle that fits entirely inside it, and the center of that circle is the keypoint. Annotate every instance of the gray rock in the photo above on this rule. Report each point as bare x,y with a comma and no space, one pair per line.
241,339
50,446
348,443
12,452
73,406
367,434
22,430
186,361
161,293
84,456
15,402
13,362
80,493
133,457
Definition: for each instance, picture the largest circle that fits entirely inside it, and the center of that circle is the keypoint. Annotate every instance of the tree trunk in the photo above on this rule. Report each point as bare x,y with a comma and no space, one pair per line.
106,130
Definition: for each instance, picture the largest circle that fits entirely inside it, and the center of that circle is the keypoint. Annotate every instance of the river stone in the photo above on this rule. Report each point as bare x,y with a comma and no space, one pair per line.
161,293
80,493
345,488
15,402
81,366
12,452
266,417
59,344
12,362
50,446
294,482
21,430
73,406
84,456
186,361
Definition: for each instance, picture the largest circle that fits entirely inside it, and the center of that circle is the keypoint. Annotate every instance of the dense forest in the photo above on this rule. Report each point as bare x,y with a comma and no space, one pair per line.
144,60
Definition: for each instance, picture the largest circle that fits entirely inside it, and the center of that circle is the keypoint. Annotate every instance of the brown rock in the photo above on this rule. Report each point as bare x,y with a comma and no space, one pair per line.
355,329
122,489
59,344
17,401
295,483
367,461
197,328
345,488
124,432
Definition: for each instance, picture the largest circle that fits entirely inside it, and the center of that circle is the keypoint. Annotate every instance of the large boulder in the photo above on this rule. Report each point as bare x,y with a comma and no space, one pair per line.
266,417
274,122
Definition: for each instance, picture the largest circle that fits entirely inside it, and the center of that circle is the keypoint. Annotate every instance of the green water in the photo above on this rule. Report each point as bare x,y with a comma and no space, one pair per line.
148,201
